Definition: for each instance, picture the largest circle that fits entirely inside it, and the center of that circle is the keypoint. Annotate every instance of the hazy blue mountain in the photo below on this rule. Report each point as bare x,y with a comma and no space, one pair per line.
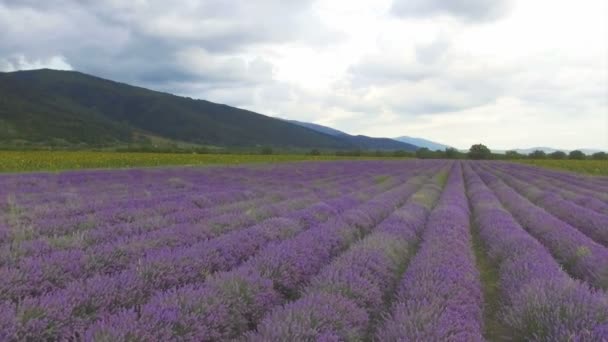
361,141
431,145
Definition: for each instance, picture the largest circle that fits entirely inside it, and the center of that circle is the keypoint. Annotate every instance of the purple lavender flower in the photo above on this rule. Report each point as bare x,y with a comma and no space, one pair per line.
439,298
541,302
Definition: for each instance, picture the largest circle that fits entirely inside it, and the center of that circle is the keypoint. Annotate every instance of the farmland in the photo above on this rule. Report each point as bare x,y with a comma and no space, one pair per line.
27,161
382,250
592,167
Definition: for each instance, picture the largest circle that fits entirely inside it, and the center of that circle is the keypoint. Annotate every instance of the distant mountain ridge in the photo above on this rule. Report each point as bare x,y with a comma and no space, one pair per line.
50,105
319,128
431,145
361,141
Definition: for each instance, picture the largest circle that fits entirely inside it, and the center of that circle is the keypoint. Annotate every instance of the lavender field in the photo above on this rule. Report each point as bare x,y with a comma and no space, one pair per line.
417,250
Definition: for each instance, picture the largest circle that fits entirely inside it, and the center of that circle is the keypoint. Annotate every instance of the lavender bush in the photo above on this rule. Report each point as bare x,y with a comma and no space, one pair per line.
440,296
542,302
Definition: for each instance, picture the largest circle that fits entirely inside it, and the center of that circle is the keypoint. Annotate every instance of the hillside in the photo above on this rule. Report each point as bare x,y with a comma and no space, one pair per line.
319,128
48,105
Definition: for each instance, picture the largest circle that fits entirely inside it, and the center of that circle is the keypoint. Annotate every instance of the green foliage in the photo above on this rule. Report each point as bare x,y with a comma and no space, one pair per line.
593,167
266,150
600,156
350,153
576,155
479,151
452,153
558,155
537,154
424,153
402,154
315,152
513,155
20,161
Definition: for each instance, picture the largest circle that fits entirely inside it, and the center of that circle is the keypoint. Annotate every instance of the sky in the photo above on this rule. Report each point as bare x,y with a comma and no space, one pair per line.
506,73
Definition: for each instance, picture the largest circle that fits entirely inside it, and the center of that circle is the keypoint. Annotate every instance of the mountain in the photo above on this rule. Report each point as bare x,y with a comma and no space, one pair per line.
360,141
46,105
532,149
319,128
431,145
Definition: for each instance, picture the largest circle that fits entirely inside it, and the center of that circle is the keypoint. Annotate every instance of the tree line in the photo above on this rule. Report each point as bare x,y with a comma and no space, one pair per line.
477,151
480,151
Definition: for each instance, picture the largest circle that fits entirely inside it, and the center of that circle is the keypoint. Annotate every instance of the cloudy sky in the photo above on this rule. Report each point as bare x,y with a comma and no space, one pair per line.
508,73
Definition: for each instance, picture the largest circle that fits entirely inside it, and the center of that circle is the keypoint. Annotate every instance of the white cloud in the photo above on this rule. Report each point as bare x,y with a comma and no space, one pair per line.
20,62
472,10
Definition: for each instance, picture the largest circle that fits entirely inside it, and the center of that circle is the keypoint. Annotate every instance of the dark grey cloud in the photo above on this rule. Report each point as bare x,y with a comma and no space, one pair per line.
215,24
469,10
144,42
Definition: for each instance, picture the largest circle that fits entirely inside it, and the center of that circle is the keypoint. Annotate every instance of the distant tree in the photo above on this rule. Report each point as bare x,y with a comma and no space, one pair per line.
537,154
600,156
378,153
400,154
452,153
576,154
424,153
558,155
479,151
356,153
266,150
512,154
315,152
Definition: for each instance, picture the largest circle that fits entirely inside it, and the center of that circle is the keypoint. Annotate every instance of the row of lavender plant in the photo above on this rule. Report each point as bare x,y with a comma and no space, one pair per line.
106,231
85,197
33,276
185,218
583,197
540,302
201,195
57,190
41,246
72,308
577,183
52,195
138,183
584,180
176,208
581,256
233,302
349,294
440,296
587,221
185,213
38,274
66,219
